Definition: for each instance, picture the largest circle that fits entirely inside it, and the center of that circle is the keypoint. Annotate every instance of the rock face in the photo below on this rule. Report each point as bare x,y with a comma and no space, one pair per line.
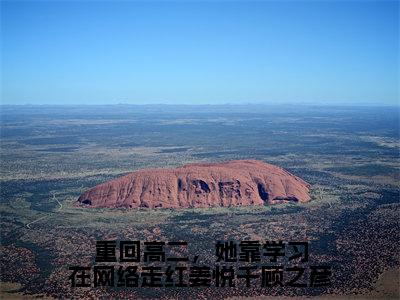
232,183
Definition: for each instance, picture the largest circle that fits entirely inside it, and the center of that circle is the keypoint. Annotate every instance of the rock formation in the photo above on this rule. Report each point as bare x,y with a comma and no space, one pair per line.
231,183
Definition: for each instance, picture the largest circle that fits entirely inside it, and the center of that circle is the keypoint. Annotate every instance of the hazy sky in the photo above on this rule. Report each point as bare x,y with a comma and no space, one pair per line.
89,52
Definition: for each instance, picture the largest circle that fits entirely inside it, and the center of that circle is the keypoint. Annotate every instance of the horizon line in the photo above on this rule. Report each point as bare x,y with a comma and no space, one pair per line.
371,104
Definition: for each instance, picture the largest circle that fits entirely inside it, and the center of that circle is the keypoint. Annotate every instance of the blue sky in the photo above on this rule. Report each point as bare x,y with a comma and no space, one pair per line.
90,52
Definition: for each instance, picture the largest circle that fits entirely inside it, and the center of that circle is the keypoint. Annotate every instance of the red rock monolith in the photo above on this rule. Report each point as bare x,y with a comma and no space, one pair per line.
231,183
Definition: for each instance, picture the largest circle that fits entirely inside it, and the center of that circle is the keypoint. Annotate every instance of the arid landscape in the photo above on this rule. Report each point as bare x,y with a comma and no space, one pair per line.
50,155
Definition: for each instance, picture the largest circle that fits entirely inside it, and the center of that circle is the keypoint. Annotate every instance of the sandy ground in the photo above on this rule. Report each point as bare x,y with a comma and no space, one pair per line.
386,287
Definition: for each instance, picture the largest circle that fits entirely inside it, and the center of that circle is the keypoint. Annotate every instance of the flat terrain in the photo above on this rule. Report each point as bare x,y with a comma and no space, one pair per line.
50,155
